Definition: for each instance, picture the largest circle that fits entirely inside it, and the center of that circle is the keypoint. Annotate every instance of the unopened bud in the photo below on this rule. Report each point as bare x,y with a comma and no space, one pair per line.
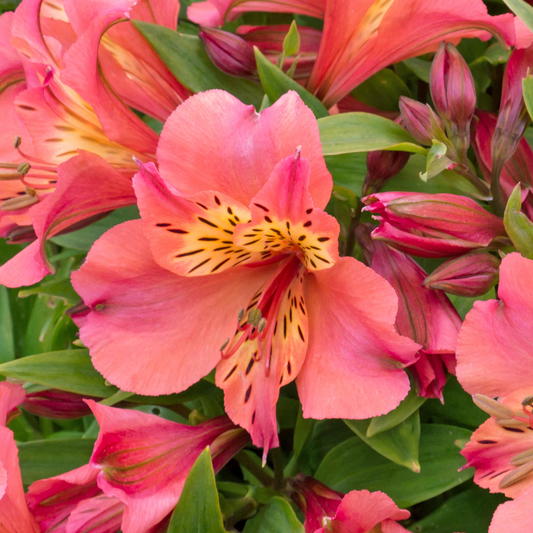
23,168
229,52
382,165
421,121
454,93
470,275
492,407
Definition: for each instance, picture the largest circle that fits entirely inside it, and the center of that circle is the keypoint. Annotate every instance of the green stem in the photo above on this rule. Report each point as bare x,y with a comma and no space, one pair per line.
497,202
266,479
277,461
350,238
119,396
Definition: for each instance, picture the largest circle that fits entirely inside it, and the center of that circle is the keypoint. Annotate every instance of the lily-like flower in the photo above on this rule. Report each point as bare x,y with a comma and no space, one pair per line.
329,511
235,265
428,317
432,225
361,38
143,460
216,12
494,346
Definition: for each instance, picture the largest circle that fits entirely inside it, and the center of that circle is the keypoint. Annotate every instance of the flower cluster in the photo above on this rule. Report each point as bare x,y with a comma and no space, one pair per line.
213,281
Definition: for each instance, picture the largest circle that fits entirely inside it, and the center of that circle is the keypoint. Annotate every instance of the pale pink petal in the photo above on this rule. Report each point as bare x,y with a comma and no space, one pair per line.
494,346
513,517
355,360
145,460
26,268
524,37
100,514
215,142
145,322
361,511
11,396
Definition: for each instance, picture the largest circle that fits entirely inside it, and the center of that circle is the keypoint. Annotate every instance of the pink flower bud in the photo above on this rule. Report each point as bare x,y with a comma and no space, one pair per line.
453,92
432,225
420,121
513,117
58,404
470,275
229,52
382,165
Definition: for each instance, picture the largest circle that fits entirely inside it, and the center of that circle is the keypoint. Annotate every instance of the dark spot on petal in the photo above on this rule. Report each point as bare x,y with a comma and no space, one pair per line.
247,395
179,231
199,265
321,259
307,224
262,207
230,373
302,238
208,239
249,367
289,368
309,211
163,225
221,248
487,441
202,206
323,239
253,418
301,333
230,211
515,430
194,252
217,200
207,222
285,326
220,264
268,220
233,223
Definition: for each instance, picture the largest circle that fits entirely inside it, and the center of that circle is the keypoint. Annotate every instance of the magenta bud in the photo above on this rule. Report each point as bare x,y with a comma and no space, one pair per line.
420,120
229,52
432,225
453,92
470,275
57,404
382,165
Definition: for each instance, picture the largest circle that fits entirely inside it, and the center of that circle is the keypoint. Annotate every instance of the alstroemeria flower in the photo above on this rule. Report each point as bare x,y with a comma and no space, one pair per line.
143,460
494,354
516,512
424,315
362,37
215,12
359,511
432,225
235,265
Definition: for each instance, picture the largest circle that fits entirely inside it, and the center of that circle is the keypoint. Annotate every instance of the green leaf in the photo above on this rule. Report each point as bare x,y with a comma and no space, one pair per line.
419,67
522,10
527,91
40,459
198,509
68,370
58,289
517,224
291,43
186,58
279,518
7,340
470,511
382,90
353,465
437,161
276,83
406,408
399,444
363,132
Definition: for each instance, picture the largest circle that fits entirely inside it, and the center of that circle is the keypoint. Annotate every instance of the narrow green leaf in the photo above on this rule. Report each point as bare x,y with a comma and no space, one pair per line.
304,427
399,444
406,408
186,58
363,132
198,508
354,465
7,340
437,161
522,10
527,91
419,67
279,518
517,224
40,459
58,289
291,43
276,83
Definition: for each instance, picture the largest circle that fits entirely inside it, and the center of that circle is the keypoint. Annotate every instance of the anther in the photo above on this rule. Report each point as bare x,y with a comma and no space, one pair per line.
241,314
528,400
516,475
17,142
224,344
254,317
18,203
23,168
262,325
522,458
30,191
492,407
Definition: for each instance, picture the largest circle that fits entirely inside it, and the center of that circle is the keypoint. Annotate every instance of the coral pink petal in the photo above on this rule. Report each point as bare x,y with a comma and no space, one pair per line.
513,517
213,142
100,514
26,268
81,72
145,460
362,38
492,446
146,322
11,396
354,364
14,513
524,37
363,510
494,346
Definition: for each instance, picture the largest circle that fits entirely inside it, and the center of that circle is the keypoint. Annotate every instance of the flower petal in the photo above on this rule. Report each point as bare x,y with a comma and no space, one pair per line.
149,330
515,514
354,364
96,515
214,142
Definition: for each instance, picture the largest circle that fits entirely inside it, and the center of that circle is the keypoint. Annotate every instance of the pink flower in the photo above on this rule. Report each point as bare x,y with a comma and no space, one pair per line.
144,460
236,262
362,37
494,346
54,403
359,511
215,12
432,225
424,315
516,512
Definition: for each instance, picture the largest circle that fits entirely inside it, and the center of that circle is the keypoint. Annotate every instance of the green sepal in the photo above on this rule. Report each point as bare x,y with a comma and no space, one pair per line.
517,224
